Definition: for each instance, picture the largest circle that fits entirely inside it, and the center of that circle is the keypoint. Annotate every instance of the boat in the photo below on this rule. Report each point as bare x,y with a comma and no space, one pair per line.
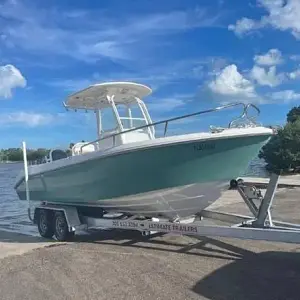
135,169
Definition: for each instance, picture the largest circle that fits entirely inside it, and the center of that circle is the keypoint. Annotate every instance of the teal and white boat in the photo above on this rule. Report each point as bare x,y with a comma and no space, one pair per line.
130,169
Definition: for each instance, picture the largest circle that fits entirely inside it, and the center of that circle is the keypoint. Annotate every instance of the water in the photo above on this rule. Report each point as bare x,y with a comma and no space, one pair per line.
256,168
13,212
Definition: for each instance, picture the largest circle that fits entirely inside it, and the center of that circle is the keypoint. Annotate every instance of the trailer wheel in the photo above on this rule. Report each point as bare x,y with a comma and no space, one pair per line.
240,181
233,184
61,228
44,223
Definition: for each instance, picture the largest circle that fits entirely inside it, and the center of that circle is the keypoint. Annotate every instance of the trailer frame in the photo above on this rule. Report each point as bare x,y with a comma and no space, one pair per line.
260,226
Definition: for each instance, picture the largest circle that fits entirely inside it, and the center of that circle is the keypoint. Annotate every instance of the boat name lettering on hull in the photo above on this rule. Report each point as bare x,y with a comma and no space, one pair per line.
204,146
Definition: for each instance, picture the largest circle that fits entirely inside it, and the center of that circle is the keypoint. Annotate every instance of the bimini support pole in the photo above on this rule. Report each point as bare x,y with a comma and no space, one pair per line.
110,99
129,115
99,123
26,179
146,116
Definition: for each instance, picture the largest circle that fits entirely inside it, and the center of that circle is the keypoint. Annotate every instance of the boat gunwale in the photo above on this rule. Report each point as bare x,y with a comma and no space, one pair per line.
149,144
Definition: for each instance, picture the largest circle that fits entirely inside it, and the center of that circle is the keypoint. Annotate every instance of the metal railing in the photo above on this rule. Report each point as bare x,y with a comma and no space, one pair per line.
244,115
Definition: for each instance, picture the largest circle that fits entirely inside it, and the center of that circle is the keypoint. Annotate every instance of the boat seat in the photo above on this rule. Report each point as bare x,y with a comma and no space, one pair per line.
76,149
216,129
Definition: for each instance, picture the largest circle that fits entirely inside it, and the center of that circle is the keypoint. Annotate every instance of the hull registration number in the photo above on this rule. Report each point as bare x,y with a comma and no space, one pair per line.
204,146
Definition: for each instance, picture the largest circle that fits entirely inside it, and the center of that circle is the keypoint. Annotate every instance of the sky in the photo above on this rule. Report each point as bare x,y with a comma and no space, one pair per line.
193,54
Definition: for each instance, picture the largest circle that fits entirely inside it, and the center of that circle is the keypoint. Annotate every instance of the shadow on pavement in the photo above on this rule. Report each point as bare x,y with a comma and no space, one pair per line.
249,275
204,246
238,273
267,275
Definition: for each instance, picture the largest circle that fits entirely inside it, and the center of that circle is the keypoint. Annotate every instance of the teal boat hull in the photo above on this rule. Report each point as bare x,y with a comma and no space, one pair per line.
174,180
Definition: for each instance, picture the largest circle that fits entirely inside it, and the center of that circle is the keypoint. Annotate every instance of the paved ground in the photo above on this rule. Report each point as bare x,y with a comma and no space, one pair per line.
123,265
284,181
16,244
116,265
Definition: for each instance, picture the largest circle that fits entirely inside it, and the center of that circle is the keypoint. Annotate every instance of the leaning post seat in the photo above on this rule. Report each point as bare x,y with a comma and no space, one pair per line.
77,150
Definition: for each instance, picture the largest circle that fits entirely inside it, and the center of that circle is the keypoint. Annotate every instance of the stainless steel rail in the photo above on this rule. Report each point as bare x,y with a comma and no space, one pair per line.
244,115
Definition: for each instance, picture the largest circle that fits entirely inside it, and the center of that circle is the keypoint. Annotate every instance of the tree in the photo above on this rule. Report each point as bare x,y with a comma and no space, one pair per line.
34,155
282,153
16,154
293,115
13,154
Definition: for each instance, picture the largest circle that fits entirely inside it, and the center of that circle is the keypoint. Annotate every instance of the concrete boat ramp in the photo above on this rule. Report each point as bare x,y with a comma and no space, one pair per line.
284,181
124,265
17,244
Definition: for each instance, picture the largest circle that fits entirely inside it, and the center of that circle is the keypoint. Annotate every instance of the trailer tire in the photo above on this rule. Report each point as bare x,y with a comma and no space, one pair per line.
233,184
44,222
61,227
240,181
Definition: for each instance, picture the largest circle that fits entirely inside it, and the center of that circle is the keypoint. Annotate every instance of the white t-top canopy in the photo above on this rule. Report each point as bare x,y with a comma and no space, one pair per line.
95,96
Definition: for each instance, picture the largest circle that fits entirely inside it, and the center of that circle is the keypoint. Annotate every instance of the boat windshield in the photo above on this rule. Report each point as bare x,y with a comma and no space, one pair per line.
131,116
123,116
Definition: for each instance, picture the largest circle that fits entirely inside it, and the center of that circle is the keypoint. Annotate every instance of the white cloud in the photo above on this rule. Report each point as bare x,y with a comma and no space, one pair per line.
173,21
27,119
281,15
295,74
267,78
286,96
109,49
162,105
10,78
229,82
244,26
71,85
91,35
156,77
271,58
295,57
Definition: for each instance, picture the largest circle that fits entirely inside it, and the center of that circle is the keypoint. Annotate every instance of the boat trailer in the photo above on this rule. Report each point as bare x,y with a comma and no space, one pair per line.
62,221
